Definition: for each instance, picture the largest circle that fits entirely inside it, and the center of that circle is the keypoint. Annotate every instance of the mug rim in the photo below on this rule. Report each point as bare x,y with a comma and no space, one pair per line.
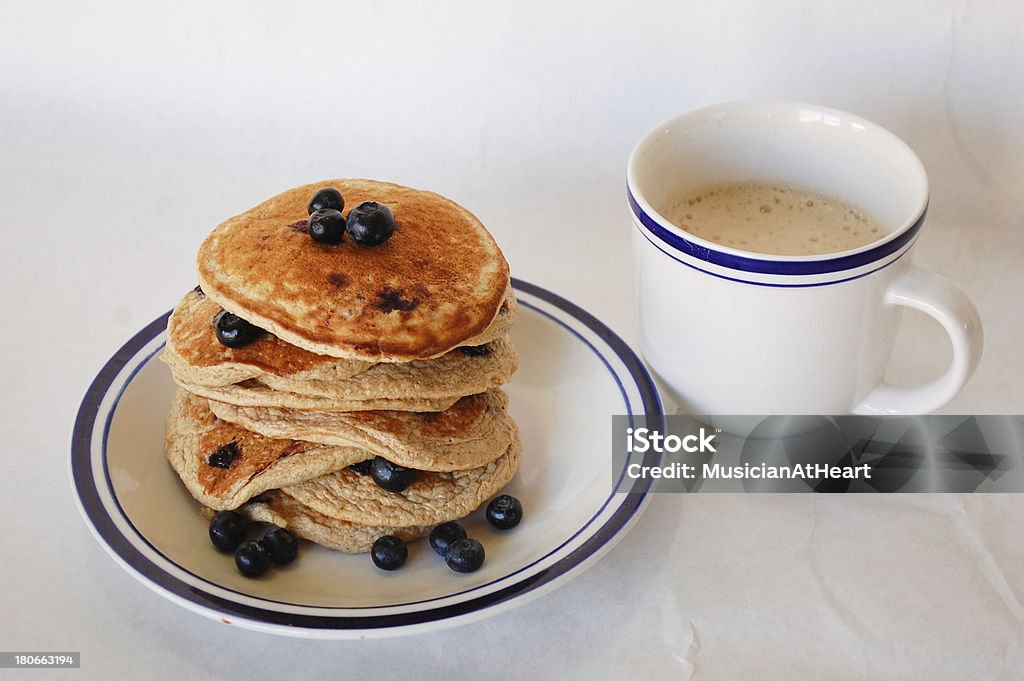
769,263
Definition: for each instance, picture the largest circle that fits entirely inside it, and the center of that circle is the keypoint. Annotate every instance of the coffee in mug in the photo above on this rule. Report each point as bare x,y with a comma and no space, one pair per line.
773,218
768,327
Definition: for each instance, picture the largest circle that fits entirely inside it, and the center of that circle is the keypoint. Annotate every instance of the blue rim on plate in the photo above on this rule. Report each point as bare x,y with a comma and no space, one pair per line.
92,485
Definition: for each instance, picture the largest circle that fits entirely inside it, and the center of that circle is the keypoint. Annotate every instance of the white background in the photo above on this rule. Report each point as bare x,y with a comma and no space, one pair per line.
128,132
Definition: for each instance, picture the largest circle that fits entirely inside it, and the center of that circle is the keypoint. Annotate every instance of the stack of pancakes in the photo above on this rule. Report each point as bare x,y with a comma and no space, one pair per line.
395,351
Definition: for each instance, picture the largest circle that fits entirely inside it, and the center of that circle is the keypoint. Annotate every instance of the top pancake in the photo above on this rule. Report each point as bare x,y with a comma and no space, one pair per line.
437,282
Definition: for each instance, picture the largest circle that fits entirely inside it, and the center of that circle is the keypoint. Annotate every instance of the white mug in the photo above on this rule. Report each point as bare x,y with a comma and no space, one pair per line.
736,332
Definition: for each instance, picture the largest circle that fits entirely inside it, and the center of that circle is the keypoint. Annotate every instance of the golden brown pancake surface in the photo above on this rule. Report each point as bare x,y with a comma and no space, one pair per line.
438,281
192,335
222,464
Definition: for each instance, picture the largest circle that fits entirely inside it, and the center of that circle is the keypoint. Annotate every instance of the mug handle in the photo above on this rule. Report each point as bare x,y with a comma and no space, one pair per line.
938,297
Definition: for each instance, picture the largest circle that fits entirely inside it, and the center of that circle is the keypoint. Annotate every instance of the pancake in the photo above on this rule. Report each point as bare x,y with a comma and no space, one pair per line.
249,463
437,283
302,521
430,385
254,394
198,359
432,498
471,433
196,356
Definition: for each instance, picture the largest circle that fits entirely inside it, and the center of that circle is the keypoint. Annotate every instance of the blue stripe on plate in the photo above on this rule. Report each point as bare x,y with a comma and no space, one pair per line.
92,505
788,268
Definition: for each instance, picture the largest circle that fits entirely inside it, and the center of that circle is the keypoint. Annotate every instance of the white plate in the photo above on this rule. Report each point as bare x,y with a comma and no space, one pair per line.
574,374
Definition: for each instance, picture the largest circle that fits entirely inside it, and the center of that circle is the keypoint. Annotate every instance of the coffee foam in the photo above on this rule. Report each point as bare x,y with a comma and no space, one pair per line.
773,218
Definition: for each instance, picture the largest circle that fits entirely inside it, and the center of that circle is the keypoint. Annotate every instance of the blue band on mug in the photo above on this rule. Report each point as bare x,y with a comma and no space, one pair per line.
774,267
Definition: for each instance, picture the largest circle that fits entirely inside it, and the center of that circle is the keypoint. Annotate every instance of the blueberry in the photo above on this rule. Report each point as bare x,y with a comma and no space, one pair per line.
504,512
391,476
326,226
281,544
370,223
362,467
252,559
444,535
475,350
227,530
465,555
328,197
223,457
389,552
233,331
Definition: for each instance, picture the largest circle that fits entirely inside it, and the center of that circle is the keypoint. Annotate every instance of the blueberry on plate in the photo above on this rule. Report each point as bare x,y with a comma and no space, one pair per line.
465,555
328,197
504,512
281,544
391,476
252,559
233,331
389,552
444,535
227,530
370,223
326,226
